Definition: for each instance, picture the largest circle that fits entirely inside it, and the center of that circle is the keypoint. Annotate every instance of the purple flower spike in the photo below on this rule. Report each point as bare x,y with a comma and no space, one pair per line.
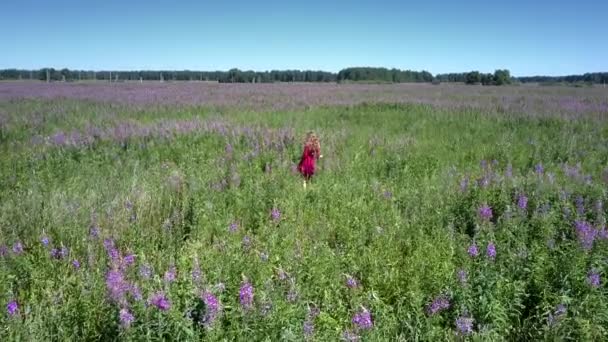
463,276
160,301
522,202
12,308
126,318
593,279
491,251
170,275
275,214
438,305
363,320
473,250
351,282
18,248
485,212
464,325
246,295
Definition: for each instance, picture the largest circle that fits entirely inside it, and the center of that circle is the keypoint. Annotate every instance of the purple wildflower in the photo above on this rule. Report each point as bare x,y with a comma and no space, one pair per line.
211,302
135,292
559,312
275,214
59,253
438,304
159,300
387,194
580,205
491,251
485,212
117,285
212,308
94,232
363,319
3,251
246,242
234,226
586,234
129,259
126,318
145,271
350,336
464,325
12,308
309,328
463,276
246,295
522,202
473,250
76,264
266,308
593,279
170,275
539,169
111,249
17,248
45,241
351,282
603,233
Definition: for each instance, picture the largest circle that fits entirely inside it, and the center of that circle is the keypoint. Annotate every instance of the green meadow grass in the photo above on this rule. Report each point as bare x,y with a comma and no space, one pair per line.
386,207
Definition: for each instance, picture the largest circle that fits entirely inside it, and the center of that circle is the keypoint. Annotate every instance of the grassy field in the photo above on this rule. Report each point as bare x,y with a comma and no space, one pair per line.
424,222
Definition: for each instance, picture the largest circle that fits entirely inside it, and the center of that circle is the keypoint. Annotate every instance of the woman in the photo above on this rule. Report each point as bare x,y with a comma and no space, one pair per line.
312,152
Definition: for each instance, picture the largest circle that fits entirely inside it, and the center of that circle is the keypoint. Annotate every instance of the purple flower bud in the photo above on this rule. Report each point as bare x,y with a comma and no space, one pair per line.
145,271
485,212
12,308
464,325
17,248
438,304
246,295
522,202
170,275
275,214
463,276
473,251
363,319
491,251
76,264
160,301
351,282
45,241
593,279
126,318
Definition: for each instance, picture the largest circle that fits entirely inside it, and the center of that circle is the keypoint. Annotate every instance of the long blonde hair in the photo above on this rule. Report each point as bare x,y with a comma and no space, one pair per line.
312,142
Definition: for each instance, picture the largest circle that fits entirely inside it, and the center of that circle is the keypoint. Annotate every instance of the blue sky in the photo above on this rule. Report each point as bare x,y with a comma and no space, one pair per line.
528,37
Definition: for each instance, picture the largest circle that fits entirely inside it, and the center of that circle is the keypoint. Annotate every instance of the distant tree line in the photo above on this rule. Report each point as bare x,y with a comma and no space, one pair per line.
367,74
595,77
499,77
230,76
357,74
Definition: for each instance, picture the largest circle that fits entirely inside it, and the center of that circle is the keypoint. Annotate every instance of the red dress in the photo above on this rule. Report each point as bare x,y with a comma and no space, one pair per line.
308,162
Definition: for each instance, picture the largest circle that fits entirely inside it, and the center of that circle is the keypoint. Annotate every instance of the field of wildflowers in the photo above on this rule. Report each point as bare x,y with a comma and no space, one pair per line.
437,213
